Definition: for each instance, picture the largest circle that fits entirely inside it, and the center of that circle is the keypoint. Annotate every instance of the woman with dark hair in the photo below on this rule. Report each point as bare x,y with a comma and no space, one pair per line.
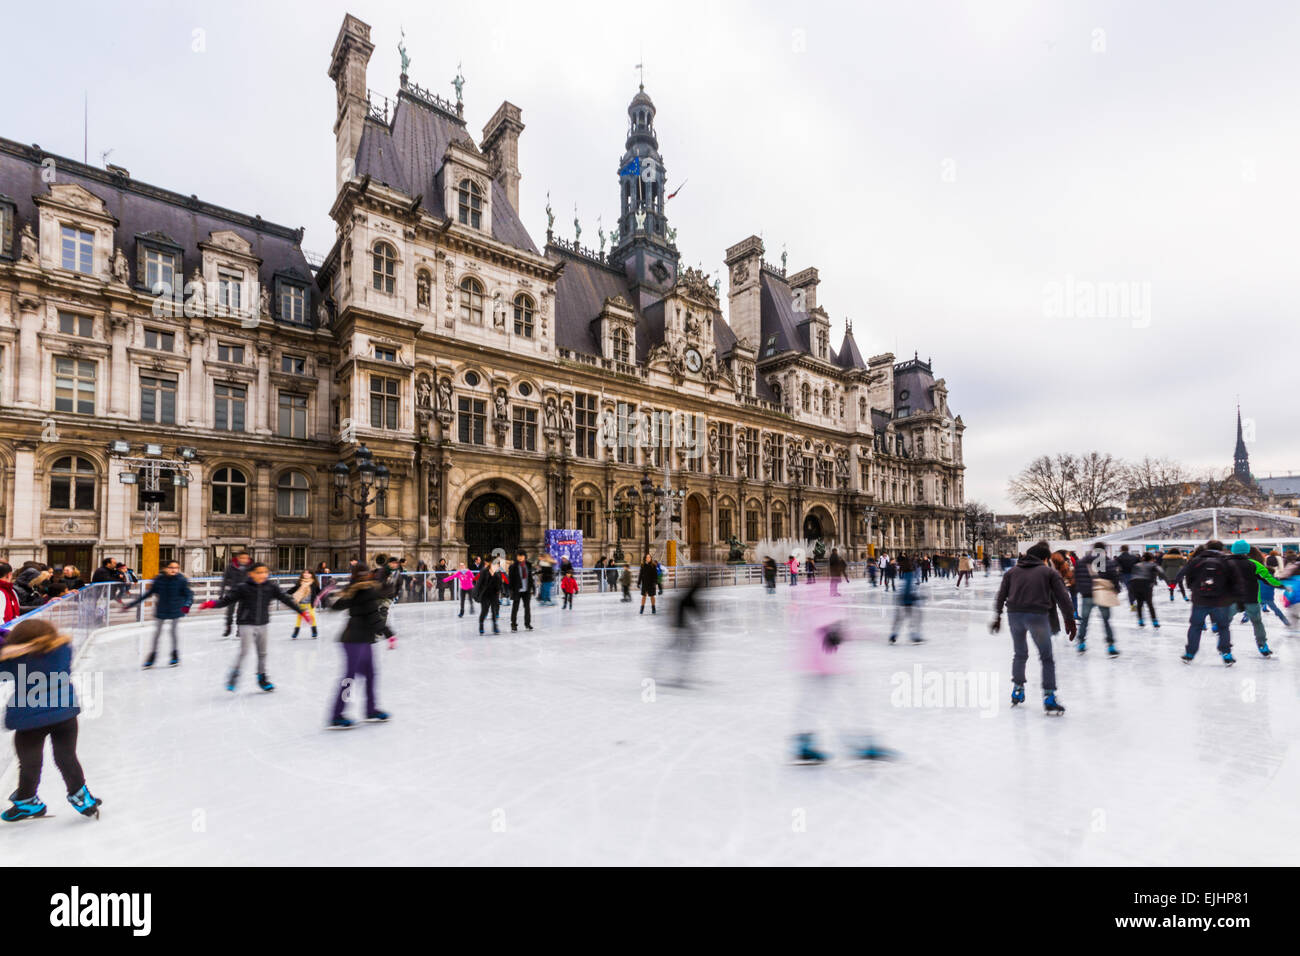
648,582
363,600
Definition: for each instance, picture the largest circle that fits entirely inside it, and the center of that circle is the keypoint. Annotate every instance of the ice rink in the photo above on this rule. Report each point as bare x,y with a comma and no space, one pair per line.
555,747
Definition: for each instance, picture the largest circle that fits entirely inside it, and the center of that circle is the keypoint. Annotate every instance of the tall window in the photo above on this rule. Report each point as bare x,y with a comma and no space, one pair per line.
586,514
822,343
293,364
293,304
290,557
584,424
826,401
231,402
751,525
293,415
724,524
383,401
471,300
805,397
751,453
777,527
159,269
725,446
622,346
624,524
291,494
472,420
693,443
525,426
78,249
746,380
470,204
79,325
385,268
72,484
524,315
778,458
157,399
162,341
229,290
74,386
229,492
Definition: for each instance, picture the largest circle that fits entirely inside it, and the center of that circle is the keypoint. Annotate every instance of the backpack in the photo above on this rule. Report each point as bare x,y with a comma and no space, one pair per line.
1212,579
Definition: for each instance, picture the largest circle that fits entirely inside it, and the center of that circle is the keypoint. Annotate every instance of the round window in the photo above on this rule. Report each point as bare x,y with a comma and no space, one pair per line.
902,396
471,379
525,389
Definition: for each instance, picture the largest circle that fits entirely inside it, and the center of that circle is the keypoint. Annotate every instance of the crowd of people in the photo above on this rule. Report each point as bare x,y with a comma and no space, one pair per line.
34,584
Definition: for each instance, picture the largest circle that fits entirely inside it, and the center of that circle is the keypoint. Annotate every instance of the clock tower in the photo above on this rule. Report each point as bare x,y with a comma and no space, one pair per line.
645,251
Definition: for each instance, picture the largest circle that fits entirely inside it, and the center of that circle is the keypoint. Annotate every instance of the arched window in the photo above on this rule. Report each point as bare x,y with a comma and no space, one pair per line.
746,380
291,494
776,391
72,484
423,289
524,308
385,268
805,396
229,492
826,401
622,346
471,300
470,203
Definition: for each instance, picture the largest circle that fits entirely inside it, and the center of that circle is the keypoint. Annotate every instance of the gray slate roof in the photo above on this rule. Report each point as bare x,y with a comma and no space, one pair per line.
407,155
1281,485
141,208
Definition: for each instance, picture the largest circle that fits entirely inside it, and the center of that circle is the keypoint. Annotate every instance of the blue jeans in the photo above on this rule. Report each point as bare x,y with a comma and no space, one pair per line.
1039,627
544,596
1222,616
1086,605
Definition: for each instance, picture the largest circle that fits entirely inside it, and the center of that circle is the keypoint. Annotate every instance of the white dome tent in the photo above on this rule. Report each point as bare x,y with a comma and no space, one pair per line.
1189,528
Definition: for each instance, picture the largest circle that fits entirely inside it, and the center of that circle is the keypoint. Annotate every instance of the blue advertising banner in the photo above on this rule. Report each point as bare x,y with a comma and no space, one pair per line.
564,545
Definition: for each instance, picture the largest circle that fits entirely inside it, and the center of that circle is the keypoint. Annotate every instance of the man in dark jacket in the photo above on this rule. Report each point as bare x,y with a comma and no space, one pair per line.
647,579
1126,562
1215,584
252,602
1093,573
1028,592
838,570
487,591
174,599
521,591
235,575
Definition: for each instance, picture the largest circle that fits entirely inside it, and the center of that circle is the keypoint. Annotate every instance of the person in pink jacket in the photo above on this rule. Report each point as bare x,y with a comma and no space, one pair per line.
464,579
793,566
820,633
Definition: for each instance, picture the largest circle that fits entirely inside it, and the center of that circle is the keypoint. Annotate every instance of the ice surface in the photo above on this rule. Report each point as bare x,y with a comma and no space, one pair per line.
549,748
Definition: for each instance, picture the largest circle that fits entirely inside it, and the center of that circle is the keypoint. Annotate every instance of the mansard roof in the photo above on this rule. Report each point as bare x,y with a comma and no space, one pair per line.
407,155
849,356
779,318
150,212
913,384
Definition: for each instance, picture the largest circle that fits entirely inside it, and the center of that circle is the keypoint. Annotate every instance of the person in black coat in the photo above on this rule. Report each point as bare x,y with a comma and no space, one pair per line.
1029,591
647,580
252,602
363,599
769,574
174,600
487,591
1214,582
521,591
236,573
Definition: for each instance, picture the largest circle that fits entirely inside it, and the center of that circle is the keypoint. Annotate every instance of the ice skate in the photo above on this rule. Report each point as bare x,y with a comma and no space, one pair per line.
1155,623
148,662
1264,650
873,751
1017,694
232,680
84,803
263,683
805,753
174,662
340,723
1187,658
1052,706
1112,650
1081,646
1228,659
378,716
23,810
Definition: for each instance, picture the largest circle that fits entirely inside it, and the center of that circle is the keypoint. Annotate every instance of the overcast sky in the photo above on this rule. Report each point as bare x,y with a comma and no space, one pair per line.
965,176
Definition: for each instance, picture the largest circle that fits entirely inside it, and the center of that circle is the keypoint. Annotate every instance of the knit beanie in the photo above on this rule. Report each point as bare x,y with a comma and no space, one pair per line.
1240,546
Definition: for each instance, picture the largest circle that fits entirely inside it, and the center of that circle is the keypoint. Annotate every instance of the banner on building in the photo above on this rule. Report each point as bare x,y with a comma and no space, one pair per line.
564,545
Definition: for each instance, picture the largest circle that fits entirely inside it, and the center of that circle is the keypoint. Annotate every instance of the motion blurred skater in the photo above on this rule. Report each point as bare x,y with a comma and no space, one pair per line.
1029,591
1214,582
362,599
521,590
305,593
252,601
36,655
648,581
487,591
174,599
908,602
680,650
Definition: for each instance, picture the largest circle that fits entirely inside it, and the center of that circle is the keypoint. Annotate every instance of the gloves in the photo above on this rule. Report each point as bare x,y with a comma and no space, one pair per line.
185,609
207,605
995,625
1071,629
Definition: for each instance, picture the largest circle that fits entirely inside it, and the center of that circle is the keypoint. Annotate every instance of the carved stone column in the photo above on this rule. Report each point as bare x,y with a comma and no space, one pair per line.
119,372
262,416
196,412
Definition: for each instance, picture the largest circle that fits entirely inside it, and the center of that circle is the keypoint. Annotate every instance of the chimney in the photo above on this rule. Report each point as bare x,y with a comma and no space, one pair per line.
348,63
744,291
805,280
501,146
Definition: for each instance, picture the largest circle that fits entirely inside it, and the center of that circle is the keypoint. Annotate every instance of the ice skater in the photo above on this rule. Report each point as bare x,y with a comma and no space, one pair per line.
675,657
1096,579
1253,575
908,610
1029,591
1142,584
252,602
1214,582
306,593
39,660
235,575
838,571
521,590
174,598
487,591
464,579
362,599
625,585
569,585
769,574
648,582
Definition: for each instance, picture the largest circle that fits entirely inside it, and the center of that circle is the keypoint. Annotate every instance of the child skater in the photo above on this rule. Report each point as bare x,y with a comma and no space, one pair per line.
174,600
35,653
569,585
464,579
305,593
487,591
363,600
820,632
252,601
625,582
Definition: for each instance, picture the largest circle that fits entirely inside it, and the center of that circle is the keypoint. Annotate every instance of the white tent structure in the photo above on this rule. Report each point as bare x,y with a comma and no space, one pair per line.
1190,528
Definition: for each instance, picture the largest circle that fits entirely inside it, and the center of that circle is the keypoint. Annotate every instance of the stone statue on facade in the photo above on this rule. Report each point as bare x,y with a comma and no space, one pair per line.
550,415
27,244
713,447
613,238
121,273
444,395
794,469
423,391
550,214
566,418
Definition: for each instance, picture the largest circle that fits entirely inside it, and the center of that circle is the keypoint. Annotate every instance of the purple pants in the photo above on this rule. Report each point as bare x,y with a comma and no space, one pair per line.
358,661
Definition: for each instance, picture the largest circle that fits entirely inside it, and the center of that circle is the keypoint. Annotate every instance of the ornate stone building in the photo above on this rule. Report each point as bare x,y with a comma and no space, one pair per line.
509,389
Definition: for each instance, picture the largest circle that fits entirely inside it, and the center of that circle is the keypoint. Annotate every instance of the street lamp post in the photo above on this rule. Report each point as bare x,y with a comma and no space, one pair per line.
651,498
620,509
869,515
369,476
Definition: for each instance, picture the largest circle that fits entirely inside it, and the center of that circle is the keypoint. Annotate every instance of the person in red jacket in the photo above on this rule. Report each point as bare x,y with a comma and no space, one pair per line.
8,597
569,585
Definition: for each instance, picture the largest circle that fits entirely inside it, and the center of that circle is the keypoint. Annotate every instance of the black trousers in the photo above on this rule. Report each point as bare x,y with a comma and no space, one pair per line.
30,746
489,603
526,600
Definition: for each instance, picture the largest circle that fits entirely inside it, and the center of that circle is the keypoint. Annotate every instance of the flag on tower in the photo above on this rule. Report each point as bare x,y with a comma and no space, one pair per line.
675,191
632,168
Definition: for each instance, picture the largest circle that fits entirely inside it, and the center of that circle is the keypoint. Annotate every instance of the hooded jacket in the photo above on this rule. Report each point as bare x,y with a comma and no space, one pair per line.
1147,573
173,593
235,575
1032,587
1252,574
51,697
1201,568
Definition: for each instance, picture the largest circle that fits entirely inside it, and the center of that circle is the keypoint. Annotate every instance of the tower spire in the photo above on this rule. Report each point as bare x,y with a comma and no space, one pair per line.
1241,457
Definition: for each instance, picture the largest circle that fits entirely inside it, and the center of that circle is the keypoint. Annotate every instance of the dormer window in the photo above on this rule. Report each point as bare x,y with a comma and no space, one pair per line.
384,272
470,203
78,249
293,303
159,269
524,309
770,348
385,354
822,343
229,290
622,343
805,397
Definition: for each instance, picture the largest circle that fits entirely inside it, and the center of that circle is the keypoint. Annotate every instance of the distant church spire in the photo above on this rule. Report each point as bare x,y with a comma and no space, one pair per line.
1240,457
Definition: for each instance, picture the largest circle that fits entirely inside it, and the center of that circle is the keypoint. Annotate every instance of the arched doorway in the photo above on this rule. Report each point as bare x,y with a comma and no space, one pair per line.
812,527
492,521
694,528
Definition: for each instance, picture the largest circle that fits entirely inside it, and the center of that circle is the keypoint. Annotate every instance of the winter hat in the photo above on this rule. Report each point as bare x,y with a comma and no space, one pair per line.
1240,546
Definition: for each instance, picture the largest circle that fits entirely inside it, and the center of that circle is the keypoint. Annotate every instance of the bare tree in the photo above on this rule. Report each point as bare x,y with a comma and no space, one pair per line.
1222,489
1159,487
1096,480
979,525
1045,485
